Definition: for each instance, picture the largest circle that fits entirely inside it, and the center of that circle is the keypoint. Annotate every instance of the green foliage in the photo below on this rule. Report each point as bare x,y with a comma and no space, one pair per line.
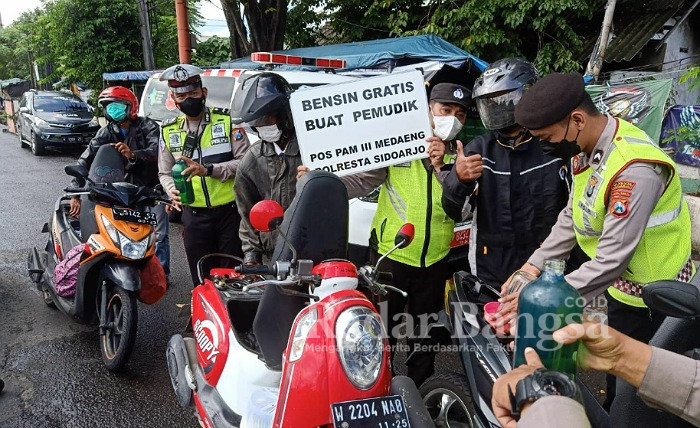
692,76
16,40
213,51
90,37
164,31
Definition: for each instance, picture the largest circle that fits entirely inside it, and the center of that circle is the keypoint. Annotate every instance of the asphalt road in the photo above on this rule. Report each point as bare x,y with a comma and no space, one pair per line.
51,366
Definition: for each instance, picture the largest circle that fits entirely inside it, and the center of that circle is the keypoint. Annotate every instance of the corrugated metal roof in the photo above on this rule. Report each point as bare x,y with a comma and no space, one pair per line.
635,22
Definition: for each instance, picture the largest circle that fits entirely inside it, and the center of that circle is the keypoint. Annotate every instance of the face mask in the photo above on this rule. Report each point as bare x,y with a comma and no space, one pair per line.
446,127
115,112
564,149
269,133
192,107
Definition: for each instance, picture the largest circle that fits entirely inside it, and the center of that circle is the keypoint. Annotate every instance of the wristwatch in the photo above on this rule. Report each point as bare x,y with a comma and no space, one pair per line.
541,383
210,169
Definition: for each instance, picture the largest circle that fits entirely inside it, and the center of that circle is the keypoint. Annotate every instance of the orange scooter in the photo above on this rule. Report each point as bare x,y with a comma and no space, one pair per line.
117,235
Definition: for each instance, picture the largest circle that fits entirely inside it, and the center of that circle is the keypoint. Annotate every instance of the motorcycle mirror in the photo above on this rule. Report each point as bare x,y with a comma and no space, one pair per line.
77,171
405,235
266,215
673,298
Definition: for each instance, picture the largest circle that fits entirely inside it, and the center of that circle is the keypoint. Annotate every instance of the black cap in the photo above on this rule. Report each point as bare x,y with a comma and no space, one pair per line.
550,100
449,93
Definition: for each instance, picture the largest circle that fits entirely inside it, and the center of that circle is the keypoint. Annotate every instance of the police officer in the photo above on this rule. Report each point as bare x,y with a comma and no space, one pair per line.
626,209
412,193
204,139
521,190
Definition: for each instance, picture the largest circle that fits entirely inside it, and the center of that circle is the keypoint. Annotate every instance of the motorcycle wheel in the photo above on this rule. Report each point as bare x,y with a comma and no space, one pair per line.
121,321
449,400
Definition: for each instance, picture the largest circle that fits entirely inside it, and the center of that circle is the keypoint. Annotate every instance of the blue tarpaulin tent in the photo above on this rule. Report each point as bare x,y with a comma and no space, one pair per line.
129,75
375,53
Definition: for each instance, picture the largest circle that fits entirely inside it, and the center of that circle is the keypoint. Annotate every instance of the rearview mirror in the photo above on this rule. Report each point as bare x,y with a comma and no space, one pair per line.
405,235
77,171
266,215
673,298
24,109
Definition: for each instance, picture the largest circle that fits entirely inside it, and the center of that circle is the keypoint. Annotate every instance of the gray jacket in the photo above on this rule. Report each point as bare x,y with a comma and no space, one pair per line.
263,174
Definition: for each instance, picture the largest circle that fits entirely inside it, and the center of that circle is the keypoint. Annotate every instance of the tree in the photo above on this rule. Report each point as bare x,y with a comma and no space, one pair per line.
212,51
90,37
255,25
16,41
540,30
164,30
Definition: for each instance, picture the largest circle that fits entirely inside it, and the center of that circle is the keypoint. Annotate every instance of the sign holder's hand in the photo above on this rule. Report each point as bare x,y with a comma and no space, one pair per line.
500,401
193,168
125,150
301,170
436,151
469,168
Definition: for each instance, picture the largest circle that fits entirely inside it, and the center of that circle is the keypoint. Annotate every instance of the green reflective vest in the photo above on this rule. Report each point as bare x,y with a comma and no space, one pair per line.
214,147
411,194
664,247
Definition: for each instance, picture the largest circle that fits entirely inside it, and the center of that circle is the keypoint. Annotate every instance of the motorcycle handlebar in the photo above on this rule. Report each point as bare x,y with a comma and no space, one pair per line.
385,276
254,270
73,190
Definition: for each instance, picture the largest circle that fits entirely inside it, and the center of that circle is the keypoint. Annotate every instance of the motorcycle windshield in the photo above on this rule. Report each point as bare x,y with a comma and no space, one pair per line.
108,166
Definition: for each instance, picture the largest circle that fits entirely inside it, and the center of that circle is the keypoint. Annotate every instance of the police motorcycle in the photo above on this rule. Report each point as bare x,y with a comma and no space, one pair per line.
112,246
464,399
300,347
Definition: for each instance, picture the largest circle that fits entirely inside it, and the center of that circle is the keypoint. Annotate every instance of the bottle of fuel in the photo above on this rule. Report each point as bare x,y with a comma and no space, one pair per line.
181,183
544,306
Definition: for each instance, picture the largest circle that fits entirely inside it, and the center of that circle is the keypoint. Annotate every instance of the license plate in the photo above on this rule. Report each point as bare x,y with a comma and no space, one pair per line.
381,412
133,216
72,139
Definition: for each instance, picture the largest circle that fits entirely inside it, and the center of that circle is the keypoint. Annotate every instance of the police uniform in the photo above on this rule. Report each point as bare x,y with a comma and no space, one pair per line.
211,222
626,211
412,193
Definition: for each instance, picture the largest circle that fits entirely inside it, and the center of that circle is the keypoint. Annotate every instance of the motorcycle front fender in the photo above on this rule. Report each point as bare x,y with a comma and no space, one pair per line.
123,274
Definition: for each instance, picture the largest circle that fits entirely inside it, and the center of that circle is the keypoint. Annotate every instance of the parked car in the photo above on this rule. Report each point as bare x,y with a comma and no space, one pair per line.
53,118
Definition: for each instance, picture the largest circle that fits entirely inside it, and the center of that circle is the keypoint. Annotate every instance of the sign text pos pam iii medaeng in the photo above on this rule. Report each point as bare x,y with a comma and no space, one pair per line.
364,124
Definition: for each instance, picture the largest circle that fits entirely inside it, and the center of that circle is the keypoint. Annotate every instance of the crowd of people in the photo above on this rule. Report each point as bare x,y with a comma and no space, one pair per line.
553,178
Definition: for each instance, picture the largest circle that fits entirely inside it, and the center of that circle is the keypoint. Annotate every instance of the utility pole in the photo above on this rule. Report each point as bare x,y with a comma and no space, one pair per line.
183,32
148,61
598,56
32,78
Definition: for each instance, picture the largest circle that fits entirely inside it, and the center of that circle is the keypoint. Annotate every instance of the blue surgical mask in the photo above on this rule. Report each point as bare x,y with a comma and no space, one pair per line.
116,112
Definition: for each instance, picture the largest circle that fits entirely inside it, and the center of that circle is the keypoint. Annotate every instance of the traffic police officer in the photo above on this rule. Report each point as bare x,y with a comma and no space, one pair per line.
212,150
626,209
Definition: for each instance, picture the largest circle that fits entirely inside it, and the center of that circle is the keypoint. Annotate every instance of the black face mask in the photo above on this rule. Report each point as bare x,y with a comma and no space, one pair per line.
192,107
564,149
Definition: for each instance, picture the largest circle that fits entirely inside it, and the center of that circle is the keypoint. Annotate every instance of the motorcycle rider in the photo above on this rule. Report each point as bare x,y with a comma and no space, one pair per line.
268,170
136,138
521,189
211,222
420,269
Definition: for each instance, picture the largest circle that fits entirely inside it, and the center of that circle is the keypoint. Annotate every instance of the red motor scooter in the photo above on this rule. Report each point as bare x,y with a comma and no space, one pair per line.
303,349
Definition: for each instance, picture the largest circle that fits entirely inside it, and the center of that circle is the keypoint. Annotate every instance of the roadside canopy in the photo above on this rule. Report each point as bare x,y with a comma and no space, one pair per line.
376,53
129,75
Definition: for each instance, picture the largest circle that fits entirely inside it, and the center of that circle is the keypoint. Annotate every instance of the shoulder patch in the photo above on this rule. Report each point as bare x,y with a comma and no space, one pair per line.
238,133
168,122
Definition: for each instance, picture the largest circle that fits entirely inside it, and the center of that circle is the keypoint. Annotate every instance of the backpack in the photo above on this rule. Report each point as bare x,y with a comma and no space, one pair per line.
66,272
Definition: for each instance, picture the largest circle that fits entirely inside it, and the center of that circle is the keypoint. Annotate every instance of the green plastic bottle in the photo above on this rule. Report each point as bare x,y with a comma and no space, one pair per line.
181,183
544,306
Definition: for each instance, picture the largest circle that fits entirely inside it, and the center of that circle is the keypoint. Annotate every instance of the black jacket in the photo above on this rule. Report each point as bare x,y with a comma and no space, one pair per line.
519,196
143,137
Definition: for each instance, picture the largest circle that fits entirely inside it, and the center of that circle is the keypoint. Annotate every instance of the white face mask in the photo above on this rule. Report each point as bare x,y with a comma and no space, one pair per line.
446,127
270,133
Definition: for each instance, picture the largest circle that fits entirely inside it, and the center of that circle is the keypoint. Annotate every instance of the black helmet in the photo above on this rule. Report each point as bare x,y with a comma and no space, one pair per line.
261,95
499,89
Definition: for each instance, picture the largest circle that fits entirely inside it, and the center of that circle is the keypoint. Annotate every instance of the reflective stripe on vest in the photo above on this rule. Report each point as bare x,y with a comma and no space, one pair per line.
664,247
214,147
411,194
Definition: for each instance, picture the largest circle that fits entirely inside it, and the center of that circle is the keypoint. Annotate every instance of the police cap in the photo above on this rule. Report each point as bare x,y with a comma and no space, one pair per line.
182,78
450,93
550,100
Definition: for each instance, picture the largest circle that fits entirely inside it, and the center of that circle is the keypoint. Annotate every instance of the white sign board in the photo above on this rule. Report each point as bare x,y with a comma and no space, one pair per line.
364,124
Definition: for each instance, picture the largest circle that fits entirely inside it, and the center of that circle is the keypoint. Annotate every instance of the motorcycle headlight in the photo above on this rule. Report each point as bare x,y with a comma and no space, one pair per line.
358,335
132,249
111,230
301,333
